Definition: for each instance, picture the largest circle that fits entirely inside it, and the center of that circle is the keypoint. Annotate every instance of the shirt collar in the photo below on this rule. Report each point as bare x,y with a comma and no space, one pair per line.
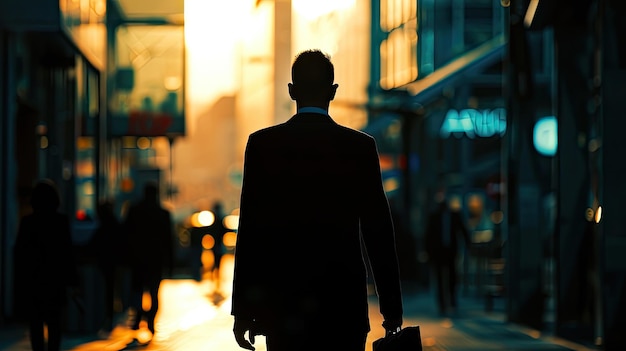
313,109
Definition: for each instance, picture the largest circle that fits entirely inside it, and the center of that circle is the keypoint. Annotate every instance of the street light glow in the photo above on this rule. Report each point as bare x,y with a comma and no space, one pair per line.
206,218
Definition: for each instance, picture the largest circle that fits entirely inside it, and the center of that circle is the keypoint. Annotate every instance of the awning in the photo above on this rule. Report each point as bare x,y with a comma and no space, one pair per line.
469,65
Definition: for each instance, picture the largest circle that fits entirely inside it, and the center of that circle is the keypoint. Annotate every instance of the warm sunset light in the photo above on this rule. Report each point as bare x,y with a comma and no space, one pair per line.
212,32
314,9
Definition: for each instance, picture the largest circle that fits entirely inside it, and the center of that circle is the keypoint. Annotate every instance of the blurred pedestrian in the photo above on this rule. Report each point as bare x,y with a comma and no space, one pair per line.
312,195
196,250
217,231
46,266
150,235
108,246
444,228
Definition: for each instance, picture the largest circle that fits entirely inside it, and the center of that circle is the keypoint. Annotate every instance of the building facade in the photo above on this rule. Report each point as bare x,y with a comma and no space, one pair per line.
59,72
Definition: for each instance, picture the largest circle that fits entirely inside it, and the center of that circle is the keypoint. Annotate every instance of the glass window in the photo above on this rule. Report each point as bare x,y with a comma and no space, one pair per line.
148,95
398,51
89,115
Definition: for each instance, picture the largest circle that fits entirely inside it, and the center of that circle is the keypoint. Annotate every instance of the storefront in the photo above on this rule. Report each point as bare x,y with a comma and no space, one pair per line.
52,68
450,136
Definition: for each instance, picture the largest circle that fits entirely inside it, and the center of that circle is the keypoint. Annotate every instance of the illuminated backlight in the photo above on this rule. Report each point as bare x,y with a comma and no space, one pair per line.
455,203
206,218
143,143
208,242
545,136
497,217
231,222
172,83
43,142
81,215
146,301
207,258
143,335
212,33
315,9
229,239
127,185
530,13
391,184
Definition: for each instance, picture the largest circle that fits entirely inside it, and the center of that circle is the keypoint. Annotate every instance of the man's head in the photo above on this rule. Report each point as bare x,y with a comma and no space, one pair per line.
312,75
45,196
151,191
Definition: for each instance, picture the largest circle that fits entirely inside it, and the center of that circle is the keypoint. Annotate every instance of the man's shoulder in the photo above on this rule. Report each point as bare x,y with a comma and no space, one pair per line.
267,130
351,136
355,132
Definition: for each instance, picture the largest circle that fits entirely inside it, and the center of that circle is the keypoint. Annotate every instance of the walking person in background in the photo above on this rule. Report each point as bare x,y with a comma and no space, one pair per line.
445,227
108,247
217,230
46,267
149,229
308,184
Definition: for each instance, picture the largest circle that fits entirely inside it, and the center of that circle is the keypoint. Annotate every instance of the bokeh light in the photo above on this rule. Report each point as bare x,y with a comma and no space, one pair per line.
208,242
206,218
231,222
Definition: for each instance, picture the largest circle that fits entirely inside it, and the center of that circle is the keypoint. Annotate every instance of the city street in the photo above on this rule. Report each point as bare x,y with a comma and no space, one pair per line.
194,316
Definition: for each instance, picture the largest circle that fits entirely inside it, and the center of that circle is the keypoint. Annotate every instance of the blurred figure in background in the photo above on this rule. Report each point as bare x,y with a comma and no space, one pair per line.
311,184
46,267
217,230
109,248
150,233
444,229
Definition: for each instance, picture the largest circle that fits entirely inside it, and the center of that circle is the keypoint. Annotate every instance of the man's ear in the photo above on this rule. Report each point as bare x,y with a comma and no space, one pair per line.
292,91
333,91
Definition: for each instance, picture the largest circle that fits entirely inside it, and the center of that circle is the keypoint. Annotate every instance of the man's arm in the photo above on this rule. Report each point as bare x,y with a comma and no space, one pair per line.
242,306
379,238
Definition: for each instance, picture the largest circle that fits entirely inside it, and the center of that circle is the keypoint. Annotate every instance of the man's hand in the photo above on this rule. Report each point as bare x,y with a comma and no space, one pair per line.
240,328
392,326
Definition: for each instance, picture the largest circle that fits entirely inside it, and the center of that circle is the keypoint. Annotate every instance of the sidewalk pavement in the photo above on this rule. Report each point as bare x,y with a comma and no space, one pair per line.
471,328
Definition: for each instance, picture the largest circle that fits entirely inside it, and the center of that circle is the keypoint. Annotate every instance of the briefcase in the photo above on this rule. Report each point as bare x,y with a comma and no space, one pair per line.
407,339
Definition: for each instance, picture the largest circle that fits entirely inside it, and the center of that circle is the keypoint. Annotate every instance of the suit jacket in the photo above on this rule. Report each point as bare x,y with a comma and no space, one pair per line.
312,196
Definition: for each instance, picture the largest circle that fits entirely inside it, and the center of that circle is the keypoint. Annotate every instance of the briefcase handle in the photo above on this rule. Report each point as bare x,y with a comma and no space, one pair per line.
393,331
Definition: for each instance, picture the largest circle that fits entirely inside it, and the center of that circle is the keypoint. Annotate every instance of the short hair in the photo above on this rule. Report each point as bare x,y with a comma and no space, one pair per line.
151,191
45,196
312,68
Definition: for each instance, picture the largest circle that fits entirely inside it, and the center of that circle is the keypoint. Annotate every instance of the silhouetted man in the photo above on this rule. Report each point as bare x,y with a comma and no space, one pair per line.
150,253
217,230
444,229
312,193
108,247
